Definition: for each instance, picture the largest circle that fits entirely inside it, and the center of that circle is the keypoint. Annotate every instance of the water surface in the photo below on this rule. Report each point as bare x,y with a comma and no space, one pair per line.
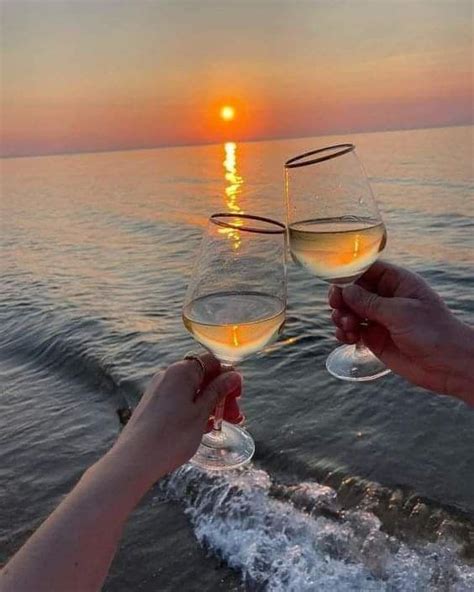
96,254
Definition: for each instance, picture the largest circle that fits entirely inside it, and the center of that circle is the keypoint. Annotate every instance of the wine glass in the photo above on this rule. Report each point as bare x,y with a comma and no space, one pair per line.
235,305
336,232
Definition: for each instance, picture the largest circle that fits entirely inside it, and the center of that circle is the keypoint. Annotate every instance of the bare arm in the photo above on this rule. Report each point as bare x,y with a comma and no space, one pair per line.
73,548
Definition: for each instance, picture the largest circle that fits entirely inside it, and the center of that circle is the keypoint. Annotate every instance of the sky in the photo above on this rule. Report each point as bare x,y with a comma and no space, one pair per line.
89,75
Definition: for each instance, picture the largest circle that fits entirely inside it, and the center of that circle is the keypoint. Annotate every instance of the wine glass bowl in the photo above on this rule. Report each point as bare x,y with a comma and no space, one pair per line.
336,232
235,305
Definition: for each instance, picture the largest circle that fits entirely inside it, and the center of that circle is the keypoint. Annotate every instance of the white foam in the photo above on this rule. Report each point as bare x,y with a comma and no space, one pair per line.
279,548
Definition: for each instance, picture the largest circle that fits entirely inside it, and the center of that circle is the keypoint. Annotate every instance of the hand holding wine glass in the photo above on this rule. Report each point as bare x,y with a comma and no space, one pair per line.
411,329
336,232
235,305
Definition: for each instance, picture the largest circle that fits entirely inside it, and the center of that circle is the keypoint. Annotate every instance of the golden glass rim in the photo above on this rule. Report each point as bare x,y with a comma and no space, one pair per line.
342,149
215,219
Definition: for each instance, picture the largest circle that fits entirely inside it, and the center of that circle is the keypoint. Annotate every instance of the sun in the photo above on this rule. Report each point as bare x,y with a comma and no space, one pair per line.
227,113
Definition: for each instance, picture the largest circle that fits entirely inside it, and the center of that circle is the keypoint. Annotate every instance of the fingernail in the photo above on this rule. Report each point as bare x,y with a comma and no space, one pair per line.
238,419
232,381
232,411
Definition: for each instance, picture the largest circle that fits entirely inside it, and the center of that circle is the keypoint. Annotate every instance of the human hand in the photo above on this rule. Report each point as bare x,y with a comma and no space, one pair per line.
166,427
410,329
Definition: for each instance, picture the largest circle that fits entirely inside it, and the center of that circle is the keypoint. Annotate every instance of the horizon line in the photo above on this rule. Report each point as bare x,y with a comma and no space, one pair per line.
246,141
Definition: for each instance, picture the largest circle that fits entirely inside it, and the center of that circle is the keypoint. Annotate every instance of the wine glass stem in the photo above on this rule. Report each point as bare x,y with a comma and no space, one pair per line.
219,410
218,416
360,345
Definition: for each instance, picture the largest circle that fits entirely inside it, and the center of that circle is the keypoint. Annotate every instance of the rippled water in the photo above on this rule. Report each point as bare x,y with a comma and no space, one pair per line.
354,487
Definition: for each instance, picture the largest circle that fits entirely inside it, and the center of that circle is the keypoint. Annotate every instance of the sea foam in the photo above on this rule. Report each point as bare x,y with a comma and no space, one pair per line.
278,547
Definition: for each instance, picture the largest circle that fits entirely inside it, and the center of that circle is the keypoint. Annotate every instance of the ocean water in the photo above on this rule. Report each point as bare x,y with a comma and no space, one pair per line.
353,487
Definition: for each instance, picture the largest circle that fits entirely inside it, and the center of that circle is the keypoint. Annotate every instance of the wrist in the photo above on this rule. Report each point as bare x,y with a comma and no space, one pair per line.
134,463
460,378
114,480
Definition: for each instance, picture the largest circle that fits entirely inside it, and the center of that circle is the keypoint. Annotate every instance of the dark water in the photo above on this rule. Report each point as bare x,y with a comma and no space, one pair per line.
354,486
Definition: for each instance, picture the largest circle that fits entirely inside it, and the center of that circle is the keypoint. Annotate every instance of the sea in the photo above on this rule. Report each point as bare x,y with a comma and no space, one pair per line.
354,486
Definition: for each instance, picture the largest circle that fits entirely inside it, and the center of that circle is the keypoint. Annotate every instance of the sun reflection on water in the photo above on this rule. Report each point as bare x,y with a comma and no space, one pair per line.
232,191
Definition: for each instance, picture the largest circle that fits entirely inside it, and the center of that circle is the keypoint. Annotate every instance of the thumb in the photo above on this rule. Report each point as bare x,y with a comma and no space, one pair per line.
225,384
367,305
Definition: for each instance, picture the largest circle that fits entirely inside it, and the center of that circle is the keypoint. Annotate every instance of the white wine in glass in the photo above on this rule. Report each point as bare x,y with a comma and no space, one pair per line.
337,250
234,325
336,232
235,306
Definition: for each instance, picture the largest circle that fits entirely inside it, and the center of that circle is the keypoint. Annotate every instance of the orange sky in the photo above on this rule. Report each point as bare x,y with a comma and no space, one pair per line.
94,74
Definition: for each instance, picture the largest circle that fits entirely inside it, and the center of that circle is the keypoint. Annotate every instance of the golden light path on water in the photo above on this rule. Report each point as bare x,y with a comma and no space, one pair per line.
232,191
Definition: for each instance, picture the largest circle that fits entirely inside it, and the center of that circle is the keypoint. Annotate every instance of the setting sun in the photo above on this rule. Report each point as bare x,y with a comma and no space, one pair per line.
227,113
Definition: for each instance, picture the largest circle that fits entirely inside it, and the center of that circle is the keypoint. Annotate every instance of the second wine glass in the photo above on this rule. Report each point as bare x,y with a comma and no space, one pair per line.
336,232
235,305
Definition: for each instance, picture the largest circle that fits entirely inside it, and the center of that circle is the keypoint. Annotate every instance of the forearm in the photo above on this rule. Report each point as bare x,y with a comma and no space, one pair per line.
73,548
460,378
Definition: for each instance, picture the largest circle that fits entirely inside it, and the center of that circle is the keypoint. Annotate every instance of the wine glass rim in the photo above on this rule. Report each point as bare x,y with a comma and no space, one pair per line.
215,219
299,160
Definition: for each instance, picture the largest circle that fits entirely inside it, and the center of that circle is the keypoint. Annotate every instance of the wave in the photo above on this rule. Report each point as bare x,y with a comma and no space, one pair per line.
68,349
299,538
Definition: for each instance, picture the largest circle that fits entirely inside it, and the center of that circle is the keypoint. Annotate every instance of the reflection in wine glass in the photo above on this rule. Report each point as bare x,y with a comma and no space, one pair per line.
232,191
